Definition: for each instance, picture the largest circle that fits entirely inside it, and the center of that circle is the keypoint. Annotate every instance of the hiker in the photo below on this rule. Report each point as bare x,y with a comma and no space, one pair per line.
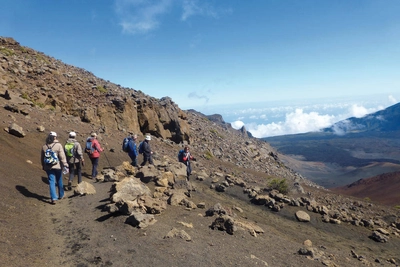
74,153
93,150
147,153
132,147
185,157
53,161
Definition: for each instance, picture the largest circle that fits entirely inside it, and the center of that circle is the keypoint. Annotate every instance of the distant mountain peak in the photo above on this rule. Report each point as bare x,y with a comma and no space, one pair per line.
380,121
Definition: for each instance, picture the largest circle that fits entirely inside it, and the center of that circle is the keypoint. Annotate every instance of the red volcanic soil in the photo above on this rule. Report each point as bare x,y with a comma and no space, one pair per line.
384,189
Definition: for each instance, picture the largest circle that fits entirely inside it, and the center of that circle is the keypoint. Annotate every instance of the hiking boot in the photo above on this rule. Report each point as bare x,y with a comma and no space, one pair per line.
69,186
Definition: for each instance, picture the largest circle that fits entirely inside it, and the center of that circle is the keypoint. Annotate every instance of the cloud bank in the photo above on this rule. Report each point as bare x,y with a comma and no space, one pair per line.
309,118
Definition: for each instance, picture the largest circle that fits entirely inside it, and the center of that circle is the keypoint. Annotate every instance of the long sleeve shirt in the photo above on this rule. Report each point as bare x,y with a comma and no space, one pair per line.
132,148
62,159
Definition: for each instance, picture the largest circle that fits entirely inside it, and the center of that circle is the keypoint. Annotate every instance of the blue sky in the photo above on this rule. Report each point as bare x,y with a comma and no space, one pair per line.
211,54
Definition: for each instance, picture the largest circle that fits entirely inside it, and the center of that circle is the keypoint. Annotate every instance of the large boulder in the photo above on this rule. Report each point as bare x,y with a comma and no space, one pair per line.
140,220
128,189
16,130
85,188
302,216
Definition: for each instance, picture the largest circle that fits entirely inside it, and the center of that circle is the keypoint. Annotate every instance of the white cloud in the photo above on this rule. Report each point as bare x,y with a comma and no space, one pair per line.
190,8
142,16
392,99
295,122
237,124
358,111
139,16
345,126
203,8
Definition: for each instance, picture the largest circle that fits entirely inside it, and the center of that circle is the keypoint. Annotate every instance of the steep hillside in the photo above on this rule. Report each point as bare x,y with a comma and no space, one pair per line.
241,194
375,188
50,84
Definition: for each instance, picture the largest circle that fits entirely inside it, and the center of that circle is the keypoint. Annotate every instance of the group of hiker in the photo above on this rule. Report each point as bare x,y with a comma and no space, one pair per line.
58,159
129,145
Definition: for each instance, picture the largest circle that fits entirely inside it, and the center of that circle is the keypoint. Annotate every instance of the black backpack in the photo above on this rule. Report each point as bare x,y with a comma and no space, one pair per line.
141,148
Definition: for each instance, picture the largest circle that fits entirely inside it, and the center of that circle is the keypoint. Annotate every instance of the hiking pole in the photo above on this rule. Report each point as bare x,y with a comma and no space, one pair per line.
109,164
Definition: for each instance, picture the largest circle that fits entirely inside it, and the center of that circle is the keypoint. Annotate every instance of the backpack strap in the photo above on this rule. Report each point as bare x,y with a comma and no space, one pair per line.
48,147
76,151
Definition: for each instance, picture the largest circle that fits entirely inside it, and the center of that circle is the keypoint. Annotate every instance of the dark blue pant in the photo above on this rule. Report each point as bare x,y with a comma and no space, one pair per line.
95,163
188,169
134,160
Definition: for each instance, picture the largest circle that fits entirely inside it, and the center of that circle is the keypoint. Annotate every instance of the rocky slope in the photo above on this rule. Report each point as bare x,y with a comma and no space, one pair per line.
49,83
239,186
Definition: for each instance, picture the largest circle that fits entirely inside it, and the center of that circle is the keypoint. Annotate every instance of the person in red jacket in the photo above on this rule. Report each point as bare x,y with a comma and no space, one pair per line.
94,155
186,158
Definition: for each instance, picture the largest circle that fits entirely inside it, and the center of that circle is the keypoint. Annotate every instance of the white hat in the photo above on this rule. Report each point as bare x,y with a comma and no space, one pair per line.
93,135
148,137
53,134
72,134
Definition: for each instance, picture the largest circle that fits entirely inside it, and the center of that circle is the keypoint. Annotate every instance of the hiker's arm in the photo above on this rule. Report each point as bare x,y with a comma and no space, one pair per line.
79,151
42,158
146,148
97,146
186,156
135,152
61,156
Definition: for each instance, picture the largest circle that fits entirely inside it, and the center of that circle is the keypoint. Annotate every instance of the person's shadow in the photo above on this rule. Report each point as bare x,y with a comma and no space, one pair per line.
24,191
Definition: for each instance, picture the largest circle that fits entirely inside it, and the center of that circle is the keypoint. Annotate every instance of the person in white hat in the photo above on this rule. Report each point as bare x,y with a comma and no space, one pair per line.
53,161
94,153
74,153
147,153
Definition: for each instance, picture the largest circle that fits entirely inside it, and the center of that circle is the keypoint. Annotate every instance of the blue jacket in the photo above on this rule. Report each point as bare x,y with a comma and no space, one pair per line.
132,149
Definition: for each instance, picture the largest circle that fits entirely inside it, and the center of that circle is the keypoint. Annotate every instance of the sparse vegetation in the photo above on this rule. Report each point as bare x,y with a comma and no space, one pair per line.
208,155
6,51
397,207
367,199
11,85
101,89
40,57
39,104
216,133
25,96
23,49
279,184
